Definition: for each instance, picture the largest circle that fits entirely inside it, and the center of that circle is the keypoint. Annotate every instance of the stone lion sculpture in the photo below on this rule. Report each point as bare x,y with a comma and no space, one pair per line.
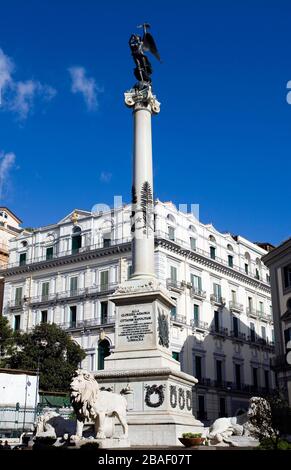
92,404
222,430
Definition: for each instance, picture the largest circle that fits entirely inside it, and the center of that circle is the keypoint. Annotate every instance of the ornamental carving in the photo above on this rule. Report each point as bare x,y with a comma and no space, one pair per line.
189,400
154,389
142,99
173,396
163,328
181,398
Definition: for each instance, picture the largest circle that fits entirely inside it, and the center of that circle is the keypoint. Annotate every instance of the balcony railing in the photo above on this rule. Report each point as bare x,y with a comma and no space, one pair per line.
238,335
174,284
71,252
220,331
217,300
232,386
197,293
199,325
206,254
63,295
235,306
259,314
87,324
179,319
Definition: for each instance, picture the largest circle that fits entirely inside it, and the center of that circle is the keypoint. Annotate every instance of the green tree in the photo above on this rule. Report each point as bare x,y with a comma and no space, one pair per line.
7,340
53,351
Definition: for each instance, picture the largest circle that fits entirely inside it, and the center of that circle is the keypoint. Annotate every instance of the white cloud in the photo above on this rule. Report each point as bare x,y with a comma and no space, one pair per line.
19,96
87,86
7,161
105,176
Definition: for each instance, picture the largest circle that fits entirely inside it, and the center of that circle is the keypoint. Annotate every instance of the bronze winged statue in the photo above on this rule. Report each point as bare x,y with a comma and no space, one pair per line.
138,46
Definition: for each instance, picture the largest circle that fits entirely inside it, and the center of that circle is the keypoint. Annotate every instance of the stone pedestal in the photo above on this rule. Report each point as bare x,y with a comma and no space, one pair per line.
159,394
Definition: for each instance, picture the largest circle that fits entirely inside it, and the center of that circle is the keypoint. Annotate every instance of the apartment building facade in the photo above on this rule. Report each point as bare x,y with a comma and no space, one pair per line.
221,326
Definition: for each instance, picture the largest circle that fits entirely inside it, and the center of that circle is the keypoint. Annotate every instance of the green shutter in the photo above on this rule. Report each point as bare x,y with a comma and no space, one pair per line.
18,295
45,289
196,314
104,277
74,284
173,273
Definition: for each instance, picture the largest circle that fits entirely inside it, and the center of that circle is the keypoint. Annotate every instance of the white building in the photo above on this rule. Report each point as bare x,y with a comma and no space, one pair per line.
221,327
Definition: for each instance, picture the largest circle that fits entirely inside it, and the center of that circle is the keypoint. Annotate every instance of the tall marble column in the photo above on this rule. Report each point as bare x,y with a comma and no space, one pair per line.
144,104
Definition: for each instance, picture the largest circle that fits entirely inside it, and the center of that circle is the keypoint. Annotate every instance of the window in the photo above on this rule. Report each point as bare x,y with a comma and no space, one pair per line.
76,240
73,315
129,271
18,296
171,233
230,261
246,268
235,322
212,252
250,304
252,332
238,376
216,320
267,379
173,312
173,273
103,351
198,367
263,331
43,316
218,372
233,296
287,276
106,240
222,407
268,279
201,407
16,322
49,253
176,355
196,282
196,315
22,259
193,243
74,285
104,312
104,280
45,291
261,307
217,291
257,274
255,378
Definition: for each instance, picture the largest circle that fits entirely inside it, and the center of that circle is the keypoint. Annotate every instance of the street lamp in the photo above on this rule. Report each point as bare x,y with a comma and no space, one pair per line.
43,343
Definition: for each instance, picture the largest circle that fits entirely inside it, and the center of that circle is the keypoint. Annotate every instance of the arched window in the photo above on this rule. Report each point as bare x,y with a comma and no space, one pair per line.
171,219
230,247
103,351
49,246
258,268
212,239
171,229
247,262
76,240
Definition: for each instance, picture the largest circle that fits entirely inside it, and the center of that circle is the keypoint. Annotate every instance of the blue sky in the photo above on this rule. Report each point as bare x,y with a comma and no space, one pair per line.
222,139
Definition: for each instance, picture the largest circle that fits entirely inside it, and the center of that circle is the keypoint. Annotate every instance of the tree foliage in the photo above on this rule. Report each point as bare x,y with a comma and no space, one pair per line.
7,340
52,351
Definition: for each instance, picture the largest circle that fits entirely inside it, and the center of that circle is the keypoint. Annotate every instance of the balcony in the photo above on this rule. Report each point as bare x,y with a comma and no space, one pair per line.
219,331
196,293
87,324
68,294
199,326
232,386
238,335
256,340
235,307
180,319
175,285
217,300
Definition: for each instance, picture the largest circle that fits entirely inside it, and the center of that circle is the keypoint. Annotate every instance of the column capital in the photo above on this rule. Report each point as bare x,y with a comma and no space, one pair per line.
142,99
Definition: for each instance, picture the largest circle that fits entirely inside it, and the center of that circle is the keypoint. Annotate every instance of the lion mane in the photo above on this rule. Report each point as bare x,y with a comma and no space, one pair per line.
84,392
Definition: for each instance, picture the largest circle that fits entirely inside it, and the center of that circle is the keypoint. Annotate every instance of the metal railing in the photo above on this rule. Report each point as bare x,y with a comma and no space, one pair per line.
199,325
197,293
70,252
238,335
235,306
179,319
232,386
63,295
206,254
87,324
